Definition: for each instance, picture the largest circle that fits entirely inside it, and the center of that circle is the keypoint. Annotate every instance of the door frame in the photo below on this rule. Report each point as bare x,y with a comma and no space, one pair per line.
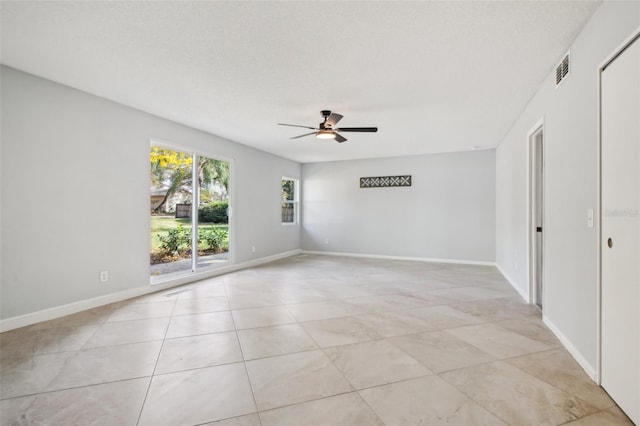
614,54
196,274
531,205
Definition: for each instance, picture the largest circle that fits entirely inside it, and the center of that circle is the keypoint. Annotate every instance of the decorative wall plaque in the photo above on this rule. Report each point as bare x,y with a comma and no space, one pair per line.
385,181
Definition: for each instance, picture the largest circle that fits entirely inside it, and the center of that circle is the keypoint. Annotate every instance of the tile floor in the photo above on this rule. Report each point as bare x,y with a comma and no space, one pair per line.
308,340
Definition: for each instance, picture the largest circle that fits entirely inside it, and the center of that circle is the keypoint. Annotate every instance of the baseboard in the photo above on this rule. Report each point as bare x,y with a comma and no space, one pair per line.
415,259
522,293
68,309
95,302
586,366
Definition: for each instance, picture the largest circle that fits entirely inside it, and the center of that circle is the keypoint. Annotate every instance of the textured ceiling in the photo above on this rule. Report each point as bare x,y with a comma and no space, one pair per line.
435,76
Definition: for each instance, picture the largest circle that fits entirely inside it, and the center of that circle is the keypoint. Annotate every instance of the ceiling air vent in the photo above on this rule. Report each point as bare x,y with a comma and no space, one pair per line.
562,70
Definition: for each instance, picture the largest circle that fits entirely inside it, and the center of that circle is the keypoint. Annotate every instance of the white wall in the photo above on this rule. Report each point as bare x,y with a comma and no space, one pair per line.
570,124
75,194
447,213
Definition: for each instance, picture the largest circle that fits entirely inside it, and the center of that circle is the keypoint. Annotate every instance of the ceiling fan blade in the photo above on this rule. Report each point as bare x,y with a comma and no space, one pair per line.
340,138
333,119
296,125
357,129
306,134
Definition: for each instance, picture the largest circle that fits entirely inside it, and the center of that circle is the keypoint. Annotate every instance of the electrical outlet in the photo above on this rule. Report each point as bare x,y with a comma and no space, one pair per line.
253,249
104,276
326,240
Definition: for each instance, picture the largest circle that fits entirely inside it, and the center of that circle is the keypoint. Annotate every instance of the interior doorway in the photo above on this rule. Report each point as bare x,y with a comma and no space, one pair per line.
536,215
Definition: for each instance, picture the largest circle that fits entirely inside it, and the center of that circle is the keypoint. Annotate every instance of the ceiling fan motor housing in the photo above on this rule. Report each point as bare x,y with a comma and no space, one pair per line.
325,113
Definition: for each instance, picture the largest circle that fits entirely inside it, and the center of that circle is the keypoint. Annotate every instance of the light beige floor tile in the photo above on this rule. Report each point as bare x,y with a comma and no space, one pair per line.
248,420
475,293
339,331
294,378
276,340
558,368
262,317
123,332
342,410
136,311
374,363
244,280
498,341
339,289
375,303
202,290
304,295
394,302
424,284
531,328
253,300
206,350
610,417
26,343
516,397
198,396
192,325
440,351
406,300
101,405
377,288
107,364
323,310
256,287
24,376
201,305
97,315
426,401
389,324
498,309
441,317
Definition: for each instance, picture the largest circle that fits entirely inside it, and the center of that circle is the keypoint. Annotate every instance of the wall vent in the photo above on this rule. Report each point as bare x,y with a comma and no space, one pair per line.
562,70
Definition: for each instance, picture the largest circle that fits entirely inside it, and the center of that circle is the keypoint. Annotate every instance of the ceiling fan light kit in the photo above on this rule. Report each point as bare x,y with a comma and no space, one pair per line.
327,129
325,134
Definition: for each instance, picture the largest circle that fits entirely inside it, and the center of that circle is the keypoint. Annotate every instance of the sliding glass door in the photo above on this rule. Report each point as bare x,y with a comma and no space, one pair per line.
190,205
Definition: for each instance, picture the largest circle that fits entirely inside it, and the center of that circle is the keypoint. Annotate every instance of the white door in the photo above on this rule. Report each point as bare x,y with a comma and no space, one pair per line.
538,210
620,162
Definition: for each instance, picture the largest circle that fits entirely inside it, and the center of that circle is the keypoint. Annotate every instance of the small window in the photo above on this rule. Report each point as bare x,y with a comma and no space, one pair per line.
289,200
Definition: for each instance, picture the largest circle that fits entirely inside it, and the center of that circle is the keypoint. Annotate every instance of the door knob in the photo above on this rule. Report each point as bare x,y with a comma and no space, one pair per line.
610,242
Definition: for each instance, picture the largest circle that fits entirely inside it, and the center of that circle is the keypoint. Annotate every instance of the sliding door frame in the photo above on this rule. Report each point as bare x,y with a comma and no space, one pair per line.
199,273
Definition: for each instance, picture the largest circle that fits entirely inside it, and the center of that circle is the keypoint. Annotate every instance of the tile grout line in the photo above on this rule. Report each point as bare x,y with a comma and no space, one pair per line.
44,392
244,361
506,422
146,394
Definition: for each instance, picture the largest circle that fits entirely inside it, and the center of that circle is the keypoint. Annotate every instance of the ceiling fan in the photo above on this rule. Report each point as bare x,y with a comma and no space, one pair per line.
328,130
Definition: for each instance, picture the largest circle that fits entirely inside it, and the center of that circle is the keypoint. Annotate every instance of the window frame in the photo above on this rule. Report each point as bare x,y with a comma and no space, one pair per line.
295,202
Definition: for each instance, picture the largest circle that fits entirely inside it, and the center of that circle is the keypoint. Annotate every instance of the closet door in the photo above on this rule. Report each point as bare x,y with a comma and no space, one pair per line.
620,162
